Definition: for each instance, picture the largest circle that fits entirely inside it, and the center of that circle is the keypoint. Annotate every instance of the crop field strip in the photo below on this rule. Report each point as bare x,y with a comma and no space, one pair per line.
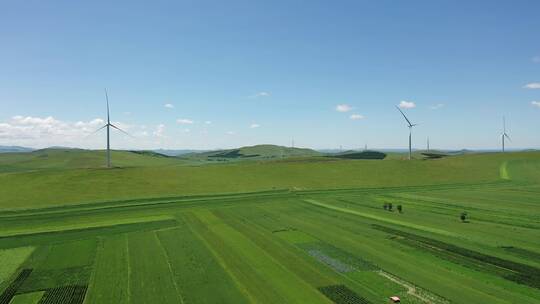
11,259
75,234
28,298
151,279
110,278
187,254
12,289
340,294
517,272
65,294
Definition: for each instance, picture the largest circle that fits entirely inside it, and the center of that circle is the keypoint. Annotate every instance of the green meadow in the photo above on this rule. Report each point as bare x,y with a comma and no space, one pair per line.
297,229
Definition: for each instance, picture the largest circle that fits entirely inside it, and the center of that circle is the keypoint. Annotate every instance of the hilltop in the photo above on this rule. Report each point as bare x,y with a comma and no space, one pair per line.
258,152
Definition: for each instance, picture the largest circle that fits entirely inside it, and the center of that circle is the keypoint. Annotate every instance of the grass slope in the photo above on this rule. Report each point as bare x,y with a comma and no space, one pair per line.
69,182
258,152
61,159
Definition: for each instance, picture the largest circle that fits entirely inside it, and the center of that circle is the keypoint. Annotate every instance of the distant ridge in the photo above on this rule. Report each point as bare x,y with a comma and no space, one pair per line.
257,152
14,149
173,152
368,154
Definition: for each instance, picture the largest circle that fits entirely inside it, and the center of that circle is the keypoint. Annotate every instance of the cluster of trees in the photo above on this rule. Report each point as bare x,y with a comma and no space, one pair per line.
390,207
464,216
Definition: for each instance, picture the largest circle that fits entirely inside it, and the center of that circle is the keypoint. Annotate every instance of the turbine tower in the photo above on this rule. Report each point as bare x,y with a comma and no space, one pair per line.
428,144
503,135
410,125
108,125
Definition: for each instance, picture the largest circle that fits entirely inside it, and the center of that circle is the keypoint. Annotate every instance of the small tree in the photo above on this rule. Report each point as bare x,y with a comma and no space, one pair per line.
390,206
463,216
400,208
385,206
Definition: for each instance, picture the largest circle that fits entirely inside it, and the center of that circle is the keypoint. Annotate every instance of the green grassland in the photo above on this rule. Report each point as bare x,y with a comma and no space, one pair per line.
67,181
293,230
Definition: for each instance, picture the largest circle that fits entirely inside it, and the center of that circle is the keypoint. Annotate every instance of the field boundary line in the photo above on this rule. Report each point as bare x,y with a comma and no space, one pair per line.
169,266
128,262
99,248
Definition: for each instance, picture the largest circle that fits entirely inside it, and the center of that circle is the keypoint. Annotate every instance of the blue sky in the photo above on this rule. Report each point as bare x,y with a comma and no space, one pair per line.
249,72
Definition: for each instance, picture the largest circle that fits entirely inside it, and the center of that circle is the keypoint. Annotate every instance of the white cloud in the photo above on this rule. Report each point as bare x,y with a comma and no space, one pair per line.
536,59
160,131
260,94
230,133
343,108
254,125
407,104
169,106
45,130
437,106
536,103
532,85
208,122
356,116
184,121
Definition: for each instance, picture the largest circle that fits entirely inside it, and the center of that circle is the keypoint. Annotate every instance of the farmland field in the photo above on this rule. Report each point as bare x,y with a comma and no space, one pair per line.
306,230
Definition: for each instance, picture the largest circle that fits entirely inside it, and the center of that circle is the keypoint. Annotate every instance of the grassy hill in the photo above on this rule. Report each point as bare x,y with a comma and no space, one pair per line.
59,177
258,152
77,158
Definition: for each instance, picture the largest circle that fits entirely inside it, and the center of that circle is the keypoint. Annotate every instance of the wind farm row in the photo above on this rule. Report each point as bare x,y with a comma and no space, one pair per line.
108,125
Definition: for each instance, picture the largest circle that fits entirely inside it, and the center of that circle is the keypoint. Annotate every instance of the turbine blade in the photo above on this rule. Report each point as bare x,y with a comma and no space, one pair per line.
506,135
95,131
410,125
107,98
117,128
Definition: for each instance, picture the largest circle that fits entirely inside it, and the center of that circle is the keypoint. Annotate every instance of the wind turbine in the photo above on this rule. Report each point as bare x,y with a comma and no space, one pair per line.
410,125
108,125
503,135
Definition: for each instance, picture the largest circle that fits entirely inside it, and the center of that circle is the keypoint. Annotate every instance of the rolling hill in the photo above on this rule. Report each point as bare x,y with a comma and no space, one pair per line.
62,177
258,152
62,158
